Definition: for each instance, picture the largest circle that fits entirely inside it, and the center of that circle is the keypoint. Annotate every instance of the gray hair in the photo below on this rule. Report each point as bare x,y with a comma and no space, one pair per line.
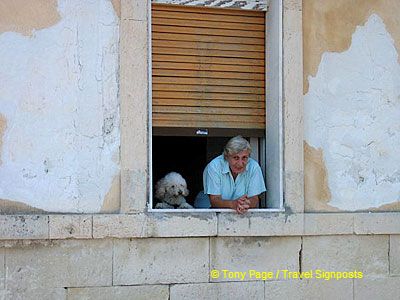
235,145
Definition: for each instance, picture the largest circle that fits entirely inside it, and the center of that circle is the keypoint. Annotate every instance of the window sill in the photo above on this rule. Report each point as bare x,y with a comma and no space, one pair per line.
212,210
204,224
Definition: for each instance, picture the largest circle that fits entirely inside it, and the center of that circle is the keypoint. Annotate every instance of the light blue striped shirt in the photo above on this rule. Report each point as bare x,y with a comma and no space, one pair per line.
218,180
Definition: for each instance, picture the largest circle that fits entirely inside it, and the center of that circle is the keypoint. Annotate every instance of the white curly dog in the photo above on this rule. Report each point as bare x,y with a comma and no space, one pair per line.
171,191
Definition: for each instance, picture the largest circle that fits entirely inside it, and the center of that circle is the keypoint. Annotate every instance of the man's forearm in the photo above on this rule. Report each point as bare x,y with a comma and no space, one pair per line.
254,201
218,202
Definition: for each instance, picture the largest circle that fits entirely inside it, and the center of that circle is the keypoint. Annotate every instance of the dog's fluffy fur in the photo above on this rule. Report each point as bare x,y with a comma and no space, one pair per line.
171,192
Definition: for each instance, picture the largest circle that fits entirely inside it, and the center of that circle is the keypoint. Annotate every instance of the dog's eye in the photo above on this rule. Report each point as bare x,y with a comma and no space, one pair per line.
173,186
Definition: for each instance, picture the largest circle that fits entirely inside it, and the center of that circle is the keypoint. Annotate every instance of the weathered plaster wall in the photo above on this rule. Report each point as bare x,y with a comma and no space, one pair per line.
59,128
26,16
328,26
117,7
352,106
243,4
3,125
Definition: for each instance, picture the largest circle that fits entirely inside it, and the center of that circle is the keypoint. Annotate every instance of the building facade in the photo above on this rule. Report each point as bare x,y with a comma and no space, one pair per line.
76,167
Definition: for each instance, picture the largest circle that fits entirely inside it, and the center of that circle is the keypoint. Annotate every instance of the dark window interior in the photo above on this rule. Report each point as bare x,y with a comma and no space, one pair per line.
187,156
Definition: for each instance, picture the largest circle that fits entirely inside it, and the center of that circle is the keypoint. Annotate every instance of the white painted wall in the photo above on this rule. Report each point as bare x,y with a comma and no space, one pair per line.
352,112
59,94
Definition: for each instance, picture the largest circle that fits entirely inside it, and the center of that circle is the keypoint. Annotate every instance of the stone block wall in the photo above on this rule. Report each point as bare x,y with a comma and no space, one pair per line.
138,265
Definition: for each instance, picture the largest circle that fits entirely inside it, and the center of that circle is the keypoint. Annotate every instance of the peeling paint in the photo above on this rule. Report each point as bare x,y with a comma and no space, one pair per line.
15,207
316,189
112,200
59,95
395,206
117,7
328,26
351,113
27,16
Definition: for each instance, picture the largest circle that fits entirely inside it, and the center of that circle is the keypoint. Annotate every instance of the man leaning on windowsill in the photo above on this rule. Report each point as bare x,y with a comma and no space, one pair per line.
232,179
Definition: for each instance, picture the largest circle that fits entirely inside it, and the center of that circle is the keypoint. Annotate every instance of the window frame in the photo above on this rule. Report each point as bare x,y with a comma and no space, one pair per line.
277,202
284,21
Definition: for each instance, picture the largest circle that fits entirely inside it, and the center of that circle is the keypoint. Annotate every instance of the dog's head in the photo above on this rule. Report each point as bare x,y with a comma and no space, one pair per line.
173,184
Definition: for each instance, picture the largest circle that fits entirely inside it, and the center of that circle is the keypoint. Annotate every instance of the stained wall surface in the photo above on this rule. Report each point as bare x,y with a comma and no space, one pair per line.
351,105
59,111
60,84
59,119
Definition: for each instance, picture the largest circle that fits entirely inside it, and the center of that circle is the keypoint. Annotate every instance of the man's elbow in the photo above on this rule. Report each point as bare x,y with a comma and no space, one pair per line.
254,201
214,200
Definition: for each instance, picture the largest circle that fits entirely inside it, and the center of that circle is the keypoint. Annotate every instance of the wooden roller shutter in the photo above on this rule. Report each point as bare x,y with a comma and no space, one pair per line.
208,67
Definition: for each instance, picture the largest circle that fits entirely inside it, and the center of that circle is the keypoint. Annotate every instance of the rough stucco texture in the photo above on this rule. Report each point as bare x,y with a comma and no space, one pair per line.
328,26
26,16
352,112
3,125
317,190
117,7
58,96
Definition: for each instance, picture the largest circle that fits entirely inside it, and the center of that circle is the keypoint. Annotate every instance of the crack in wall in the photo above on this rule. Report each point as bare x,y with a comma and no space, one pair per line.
66,151
389,255
301,257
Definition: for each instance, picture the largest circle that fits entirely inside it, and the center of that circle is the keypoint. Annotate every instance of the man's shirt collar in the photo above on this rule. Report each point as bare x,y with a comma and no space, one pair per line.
225,168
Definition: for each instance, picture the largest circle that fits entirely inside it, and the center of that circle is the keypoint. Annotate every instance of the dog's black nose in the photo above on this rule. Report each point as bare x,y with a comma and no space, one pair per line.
180,192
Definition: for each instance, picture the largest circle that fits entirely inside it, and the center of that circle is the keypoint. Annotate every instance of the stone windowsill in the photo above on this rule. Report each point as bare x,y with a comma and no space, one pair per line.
142,225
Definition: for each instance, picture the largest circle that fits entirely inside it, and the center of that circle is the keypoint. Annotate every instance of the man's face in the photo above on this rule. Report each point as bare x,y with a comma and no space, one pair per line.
238,161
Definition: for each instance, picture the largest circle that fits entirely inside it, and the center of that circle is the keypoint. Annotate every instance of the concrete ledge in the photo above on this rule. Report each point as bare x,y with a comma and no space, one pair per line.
377,223
24,227
70,226
174,224
155,225
118,226
327,224
181,225
260,224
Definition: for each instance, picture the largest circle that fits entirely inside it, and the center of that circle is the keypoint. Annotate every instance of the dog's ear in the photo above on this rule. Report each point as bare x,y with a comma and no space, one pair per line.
160,190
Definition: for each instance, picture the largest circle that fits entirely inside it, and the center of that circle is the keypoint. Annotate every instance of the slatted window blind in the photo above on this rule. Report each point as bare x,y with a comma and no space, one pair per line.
208,67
